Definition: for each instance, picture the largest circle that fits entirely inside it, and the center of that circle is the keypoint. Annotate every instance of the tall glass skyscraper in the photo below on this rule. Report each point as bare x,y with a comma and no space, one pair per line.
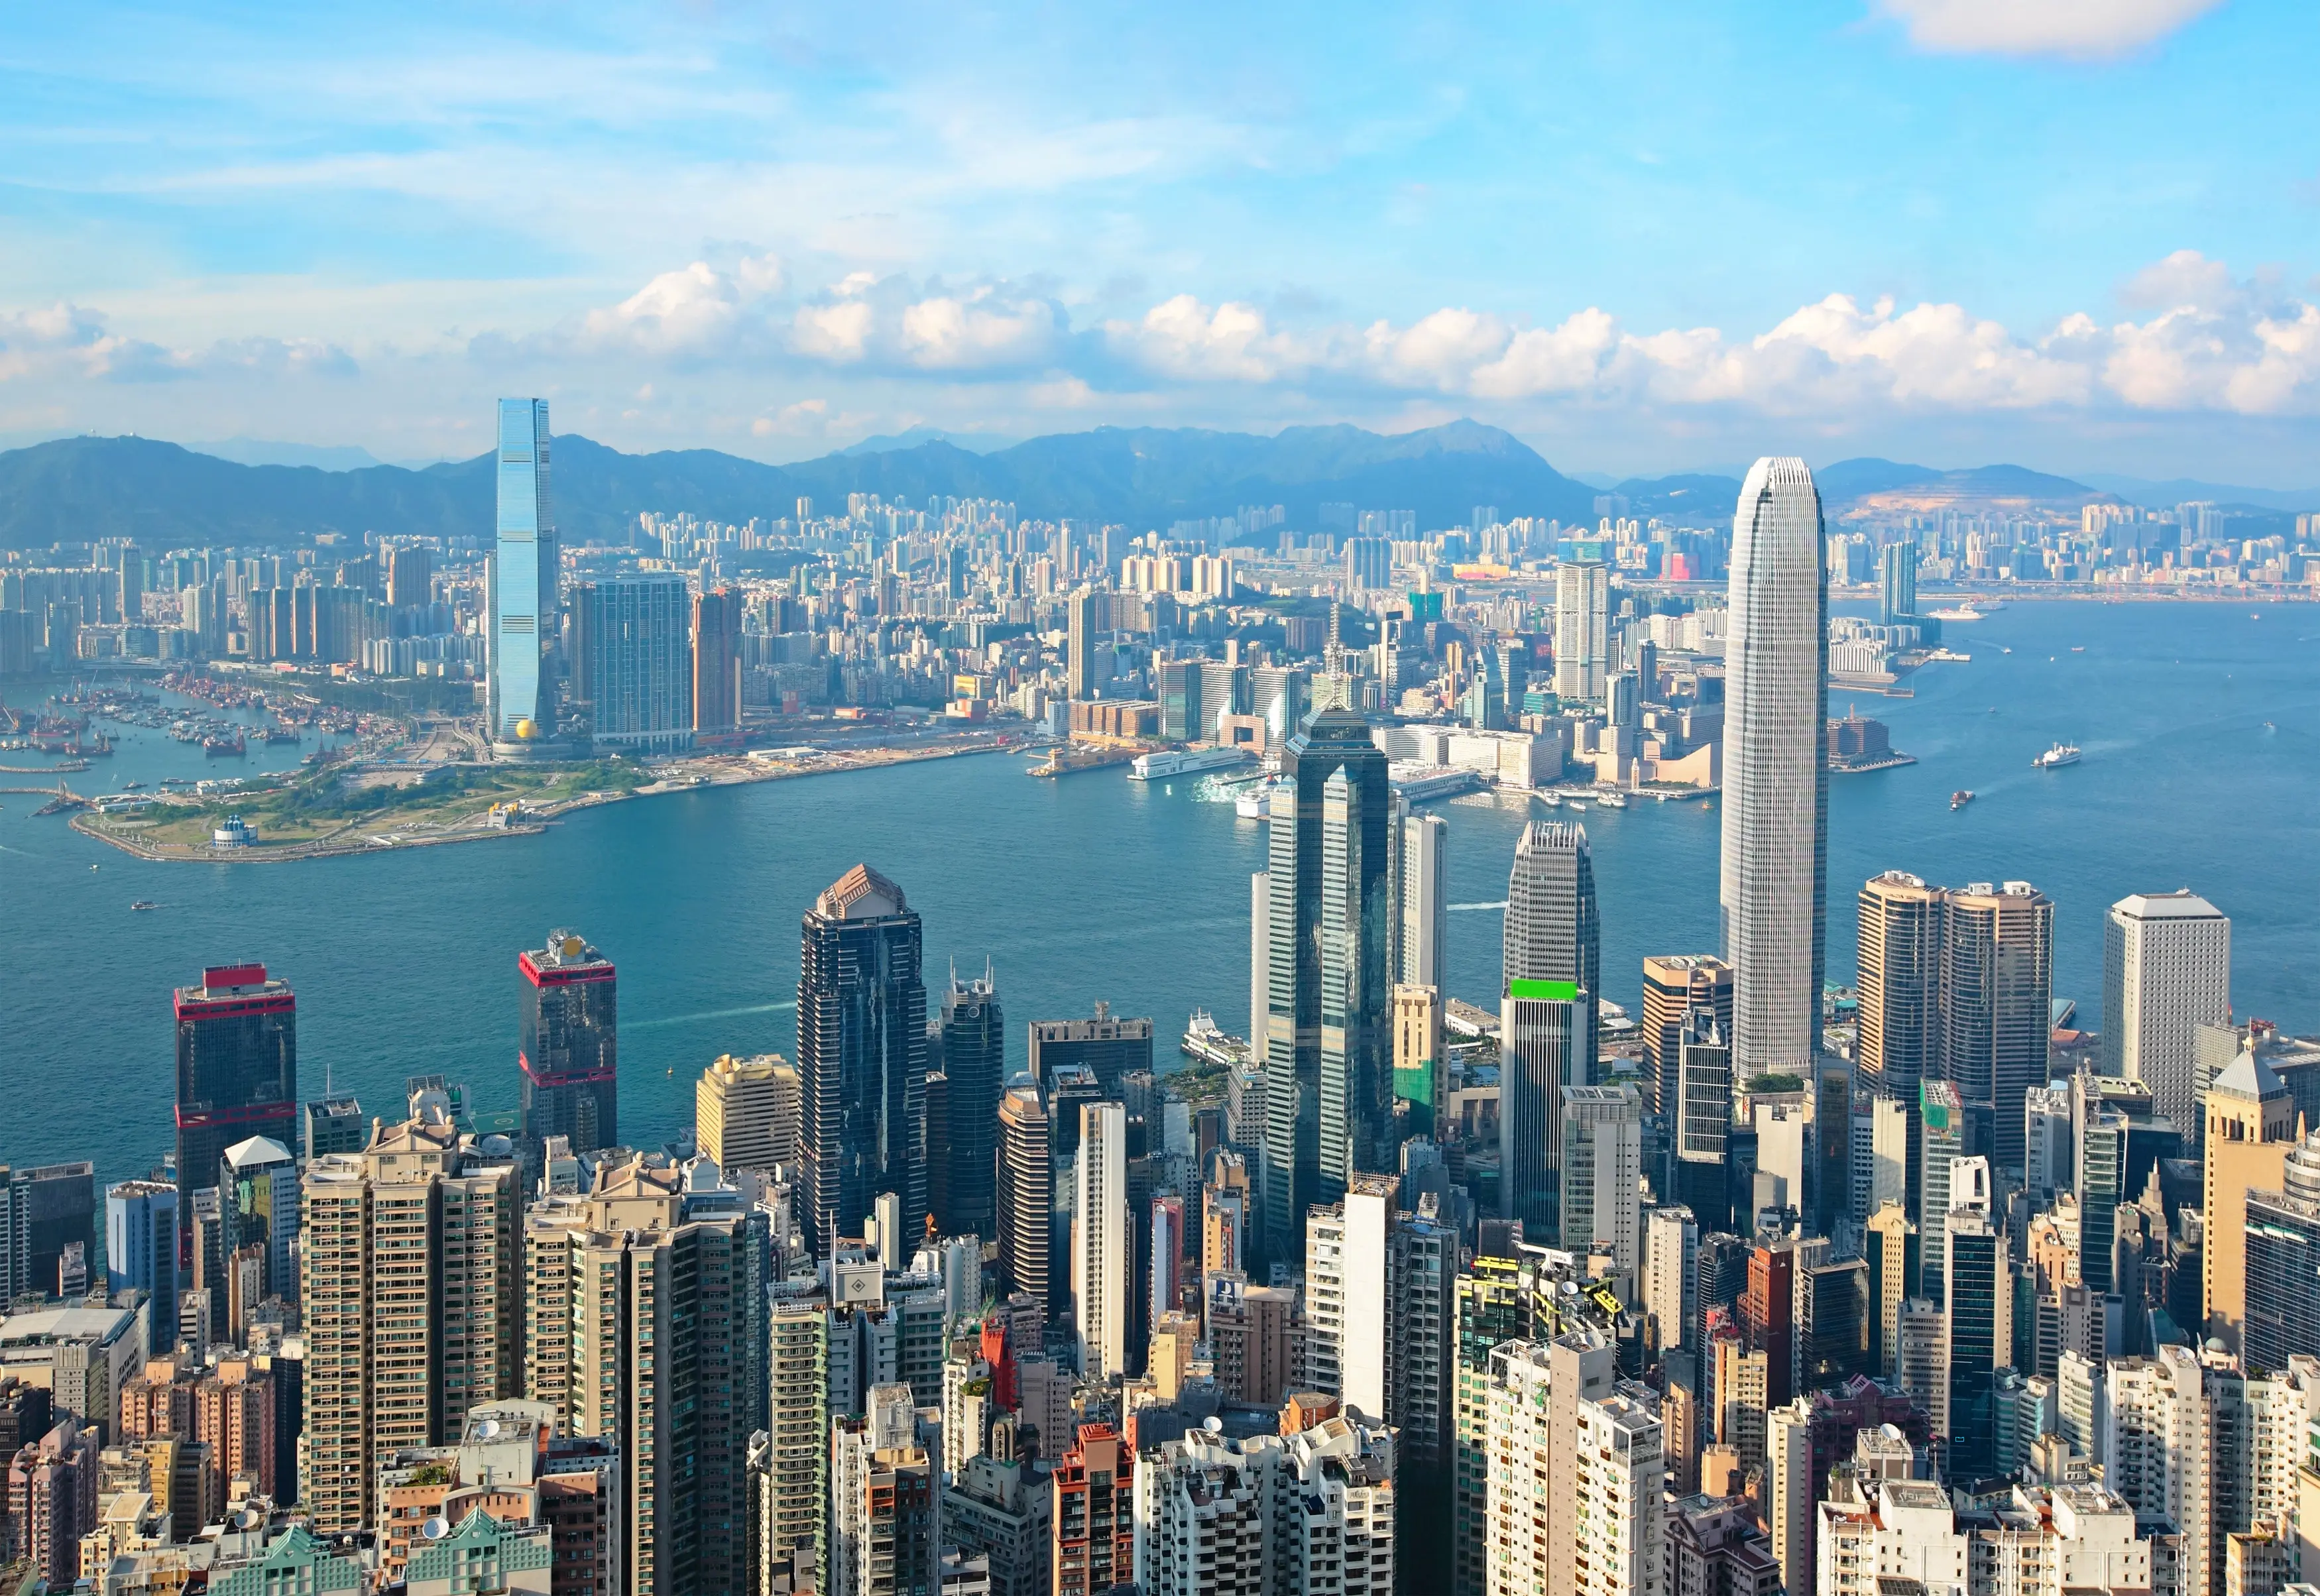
237,1072
525,568
1775,774
974,1063
1329,1079
861,1058
1547,1018
568,1047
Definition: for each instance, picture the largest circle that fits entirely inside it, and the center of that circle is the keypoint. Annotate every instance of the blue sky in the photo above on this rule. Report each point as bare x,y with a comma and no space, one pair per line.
2082,234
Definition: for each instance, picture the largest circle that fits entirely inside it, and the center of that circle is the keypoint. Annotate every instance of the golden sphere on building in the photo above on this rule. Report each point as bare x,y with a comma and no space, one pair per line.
524,731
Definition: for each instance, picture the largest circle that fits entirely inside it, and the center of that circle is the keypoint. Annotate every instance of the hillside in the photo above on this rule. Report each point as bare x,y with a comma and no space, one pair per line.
79,489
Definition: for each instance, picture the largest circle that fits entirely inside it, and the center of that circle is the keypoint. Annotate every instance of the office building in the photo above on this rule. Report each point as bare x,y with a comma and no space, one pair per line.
1775,800
1602,1174
1026,1194
1420,1062
2167,971
1547,1016
48,1229
569,1042
1890,1242
1112,1047
333,1125
237,1069
1921,1359
257,1208
1422,870
862,1056
1675,984
1900,985
717,659
1997,955
2251,1128
412,1301
1700,1122
2282,1262
1668,1291
1327,1064
645,1327
140,1253
1582,647
1102,1234
1978,1318
1941,1141
635,671
526,566
974,1064
746,1112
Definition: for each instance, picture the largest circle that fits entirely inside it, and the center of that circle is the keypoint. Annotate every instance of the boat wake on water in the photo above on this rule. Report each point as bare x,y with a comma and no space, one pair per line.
1458,908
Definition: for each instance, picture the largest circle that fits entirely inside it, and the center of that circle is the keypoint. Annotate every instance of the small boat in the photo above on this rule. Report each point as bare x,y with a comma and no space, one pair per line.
1551,800
2268,726
142,904
2057,757
94,867
2002,649
2078,648
1959,798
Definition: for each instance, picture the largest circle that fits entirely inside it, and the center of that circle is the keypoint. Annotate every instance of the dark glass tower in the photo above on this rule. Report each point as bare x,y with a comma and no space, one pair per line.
237,1070
861,1057
571,1041
1328,1102
1546,1019
975,1065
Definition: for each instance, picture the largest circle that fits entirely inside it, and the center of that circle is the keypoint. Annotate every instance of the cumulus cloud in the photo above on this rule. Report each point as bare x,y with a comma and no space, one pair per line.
2081,29
695,310
64,341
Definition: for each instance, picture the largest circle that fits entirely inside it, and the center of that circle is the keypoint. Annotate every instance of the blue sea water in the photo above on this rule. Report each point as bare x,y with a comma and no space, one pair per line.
1098,887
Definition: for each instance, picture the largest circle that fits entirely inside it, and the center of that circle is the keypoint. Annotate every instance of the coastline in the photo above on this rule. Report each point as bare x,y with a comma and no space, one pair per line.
382,835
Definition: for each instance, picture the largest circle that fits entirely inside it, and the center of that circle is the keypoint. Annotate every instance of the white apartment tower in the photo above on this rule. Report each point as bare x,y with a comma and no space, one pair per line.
1101,1240
2167,971
1582,610
1349,1297
1775,859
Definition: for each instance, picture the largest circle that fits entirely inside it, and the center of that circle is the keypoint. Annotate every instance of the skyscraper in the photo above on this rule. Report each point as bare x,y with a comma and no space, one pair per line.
525,567
1026,1195
745,1112
1979,1318
1675,984
1582,609
1101,1233
717,659
237,1071
1547,1016
1083,609
1997,955
974,1059
1423,888
1114,1047
1328,1107
2167,971
140,1253
1897,583
569,1046
862,1056
1900,985
2250,1127
634,668
1602,1168
1701,1121
1775,863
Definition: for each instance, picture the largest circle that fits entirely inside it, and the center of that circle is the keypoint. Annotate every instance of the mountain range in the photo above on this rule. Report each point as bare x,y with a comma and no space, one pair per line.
75,490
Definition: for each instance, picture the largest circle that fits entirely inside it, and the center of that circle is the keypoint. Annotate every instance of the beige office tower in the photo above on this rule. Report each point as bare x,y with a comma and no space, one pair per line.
1674,986
2251,1128
2167,971
645,1304
412,1278
1900,955
745,1112
1889,1241
1417,1045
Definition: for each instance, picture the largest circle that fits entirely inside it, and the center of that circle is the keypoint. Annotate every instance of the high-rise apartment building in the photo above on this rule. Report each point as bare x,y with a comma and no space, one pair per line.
413,1299
1582,651
1602,1174
568,1043
633,638
1083,610
1669,1294
1549,1001
792,1485
1102,1234
410,575
1349,1297
717,659
237,1070
1576,1497
1327,1060
2167,971
1900,985
1026,1194
1897,583
1775,855
1997,956
1674,985
862,1056
974,1063
1094,1514
745,1112
1890,1241
1311,1511
647,1327
526,566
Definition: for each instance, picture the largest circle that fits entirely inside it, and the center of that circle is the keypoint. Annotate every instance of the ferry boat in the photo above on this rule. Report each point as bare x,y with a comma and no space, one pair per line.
1256,803
1207,1042
142,904
1956,612
1611,801
1552,800
1153,767
1959,798
2055,758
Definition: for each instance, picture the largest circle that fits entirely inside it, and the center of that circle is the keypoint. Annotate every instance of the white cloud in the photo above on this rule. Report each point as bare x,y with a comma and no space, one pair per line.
2082,29
693,309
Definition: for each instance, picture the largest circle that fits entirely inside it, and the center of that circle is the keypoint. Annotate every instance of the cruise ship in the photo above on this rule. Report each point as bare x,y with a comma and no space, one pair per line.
1153,767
